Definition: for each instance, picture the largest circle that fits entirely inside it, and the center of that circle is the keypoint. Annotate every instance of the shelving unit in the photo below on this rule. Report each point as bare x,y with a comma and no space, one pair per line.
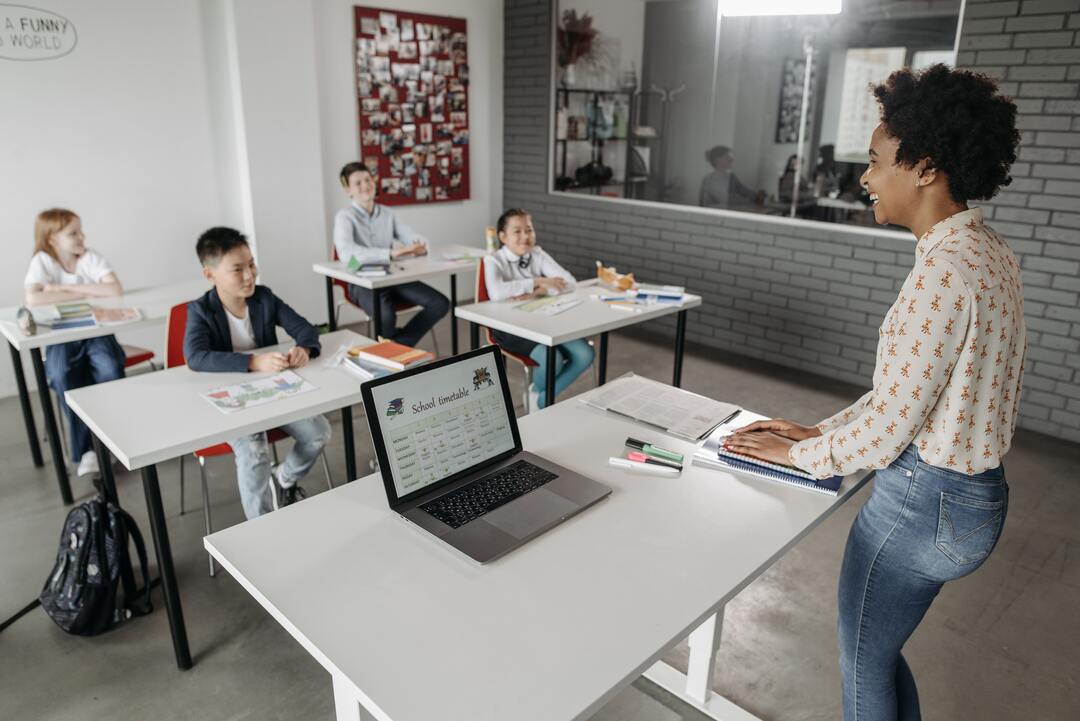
593,97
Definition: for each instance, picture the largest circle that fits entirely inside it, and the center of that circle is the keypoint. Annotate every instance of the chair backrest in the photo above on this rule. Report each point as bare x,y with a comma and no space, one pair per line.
174,336
481,291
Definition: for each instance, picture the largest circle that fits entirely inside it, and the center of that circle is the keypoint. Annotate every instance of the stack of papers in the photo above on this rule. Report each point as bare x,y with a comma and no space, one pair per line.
550,305
673,410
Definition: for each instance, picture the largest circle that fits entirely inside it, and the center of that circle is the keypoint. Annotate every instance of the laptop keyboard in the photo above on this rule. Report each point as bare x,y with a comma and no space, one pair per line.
474,500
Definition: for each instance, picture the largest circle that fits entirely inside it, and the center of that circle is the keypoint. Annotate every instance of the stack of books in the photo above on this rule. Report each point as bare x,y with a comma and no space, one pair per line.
369,269
383,358
650,293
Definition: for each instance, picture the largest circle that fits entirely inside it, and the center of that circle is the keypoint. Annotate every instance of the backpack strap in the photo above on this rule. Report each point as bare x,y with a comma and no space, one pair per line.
136,600
25,610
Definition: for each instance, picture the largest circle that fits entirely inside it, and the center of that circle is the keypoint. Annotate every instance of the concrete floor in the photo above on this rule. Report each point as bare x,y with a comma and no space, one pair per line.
1001,644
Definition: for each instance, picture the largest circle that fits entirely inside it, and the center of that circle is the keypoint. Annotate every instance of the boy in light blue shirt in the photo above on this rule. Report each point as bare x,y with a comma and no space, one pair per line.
370,232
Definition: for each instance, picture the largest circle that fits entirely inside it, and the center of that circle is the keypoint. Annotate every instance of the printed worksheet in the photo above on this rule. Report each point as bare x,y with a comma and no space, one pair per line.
679,412
249,394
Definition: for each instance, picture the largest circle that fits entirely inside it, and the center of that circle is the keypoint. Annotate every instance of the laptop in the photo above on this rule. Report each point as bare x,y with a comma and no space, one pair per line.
451,458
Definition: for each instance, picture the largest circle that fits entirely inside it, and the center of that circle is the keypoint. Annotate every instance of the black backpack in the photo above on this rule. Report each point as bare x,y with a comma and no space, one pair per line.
83,593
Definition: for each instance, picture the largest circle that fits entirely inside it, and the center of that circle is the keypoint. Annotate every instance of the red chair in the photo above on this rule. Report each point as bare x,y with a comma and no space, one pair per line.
174,356
398,307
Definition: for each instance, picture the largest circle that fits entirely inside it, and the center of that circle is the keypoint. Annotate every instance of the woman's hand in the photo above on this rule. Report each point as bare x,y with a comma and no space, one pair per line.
783,428
761,444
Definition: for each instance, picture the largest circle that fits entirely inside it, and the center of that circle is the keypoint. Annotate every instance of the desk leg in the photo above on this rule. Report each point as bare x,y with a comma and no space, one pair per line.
27,410
453,318
331,321
694,686
50,428
165,567
474,336
350,443
376,318
108,481
549,380
602,363
347,703
680,342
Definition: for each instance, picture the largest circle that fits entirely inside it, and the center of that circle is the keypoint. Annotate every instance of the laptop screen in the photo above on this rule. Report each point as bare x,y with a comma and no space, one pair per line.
442,419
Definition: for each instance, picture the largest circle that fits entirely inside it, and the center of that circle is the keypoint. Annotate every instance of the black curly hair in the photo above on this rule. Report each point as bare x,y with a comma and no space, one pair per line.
956,119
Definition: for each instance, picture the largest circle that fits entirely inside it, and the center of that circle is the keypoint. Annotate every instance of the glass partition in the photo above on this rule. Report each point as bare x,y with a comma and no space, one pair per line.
687,102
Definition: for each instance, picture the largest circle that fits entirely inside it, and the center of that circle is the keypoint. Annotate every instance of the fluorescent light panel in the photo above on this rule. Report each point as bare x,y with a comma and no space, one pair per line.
779,7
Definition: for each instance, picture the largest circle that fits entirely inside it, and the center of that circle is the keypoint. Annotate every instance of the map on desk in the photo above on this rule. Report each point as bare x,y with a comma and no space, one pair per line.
230,399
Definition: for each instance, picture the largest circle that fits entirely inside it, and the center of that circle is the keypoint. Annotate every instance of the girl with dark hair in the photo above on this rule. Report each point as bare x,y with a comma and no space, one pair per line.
946,391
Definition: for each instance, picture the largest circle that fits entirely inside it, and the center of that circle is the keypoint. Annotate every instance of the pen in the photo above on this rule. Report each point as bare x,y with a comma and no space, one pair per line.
648,469
730,417
640,457
651,450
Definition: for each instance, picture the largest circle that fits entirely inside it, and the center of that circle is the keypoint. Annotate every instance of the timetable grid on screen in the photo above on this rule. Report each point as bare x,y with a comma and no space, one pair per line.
439,423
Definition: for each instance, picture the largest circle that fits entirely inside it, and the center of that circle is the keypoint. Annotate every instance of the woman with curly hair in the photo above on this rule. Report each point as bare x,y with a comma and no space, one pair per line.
946,387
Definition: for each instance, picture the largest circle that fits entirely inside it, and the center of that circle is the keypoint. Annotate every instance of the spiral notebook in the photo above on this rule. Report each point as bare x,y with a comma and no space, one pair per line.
712,455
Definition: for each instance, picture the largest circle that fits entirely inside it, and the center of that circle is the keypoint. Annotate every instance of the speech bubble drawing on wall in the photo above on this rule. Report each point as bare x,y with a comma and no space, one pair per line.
28,33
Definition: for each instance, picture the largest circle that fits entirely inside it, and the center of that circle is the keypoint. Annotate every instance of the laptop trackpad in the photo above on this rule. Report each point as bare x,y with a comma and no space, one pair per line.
532,511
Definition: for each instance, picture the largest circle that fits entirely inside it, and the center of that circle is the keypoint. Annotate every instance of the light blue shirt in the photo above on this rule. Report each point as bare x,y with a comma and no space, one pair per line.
369,237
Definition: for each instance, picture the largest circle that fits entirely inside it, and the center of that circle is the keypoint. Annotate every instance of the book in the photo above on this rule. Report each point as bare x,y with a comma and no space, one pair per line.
116,316
394,356
365,369
64,316
659,293
713,455
368,269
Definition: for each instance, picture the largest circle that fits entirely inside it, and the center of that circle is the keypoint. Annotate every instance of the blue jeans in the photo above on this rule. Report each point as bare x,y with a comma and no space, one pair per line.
77,364
922,526
433,303
310,436
571,360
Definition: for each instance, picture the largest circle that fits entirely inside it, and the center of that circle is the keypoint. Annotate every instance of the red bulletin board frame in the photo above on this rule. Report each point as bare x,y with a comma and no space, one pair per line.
398,79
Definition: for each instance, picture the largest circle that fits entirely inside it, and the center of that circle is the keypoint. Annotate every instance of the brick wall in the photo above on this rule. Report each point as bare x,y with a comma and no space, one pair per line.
811,296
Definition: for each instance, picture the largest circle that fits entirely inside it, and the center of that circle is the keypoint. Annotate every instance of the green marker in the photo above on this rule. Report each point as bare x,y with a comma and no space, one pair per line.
651,450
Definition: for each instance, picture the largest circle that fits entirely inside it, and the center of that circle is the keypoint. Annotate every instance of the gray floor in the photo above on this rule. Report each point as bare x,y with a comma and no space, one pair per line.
1001,644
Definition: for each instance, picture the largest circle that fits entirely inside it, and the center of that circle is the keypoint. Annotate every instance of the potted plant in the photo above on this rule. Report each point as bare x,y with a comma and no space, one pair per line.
576,43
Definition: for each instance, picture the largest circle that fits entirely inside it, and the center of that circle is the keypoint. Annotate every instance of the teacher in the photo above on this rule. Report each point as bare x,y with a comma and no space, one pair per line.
946,386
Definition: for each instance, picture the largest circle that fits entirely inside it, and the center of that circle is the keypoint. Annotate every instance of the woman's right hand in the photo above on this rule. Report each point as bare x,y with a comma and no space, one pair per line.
781,427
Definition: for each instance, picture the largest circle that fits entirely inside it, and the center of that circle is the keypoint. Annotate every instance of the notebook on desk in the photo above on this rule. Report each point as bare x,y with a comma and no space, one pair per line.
713,455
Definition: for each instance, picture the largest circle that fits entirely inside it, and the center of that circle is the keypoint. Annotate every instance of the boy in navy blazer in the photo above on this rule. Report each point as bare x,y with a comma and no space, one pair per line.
224,326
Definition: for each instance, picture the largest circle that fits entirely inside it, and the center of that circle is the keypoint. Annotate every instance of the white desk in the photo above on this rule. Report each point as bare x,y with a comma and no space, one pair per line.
146,419
411,632
403,270
591,317
153,303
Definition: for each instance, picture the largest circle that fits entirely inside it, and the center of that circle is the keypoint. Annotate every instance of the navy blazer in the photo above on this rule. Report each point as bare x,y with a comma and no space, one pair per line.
208,343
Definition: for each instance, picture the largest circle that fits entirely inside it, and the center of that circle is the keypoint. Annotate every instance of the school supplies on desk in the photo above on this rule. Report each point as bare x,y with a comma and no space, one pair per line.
116,316
712,454
642,468
366,370
650,450
230,399
64,316
649,293
672,410
549,305
394,356
369,269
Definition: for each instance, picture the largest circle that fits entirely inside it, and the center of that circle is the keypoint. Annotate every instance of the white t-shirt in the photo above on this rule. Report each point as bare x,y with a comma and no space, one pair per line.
91,267
241,332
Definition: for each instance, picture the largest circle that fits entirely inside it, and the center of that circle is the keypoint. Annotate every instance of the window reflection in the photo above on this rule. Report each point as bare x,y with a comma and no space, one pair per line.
667,101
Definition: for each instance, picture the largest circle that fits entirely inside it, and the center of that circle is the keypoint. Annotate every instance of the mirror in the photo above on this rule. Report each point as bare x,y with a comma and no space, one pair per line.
673,101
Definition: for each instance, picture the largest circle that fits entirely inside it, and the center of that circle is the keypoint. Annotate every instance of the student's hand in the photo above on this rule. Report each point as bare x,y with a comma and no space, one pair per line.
298,357
545,284
783,428
413,248
762,444
421,246
268,362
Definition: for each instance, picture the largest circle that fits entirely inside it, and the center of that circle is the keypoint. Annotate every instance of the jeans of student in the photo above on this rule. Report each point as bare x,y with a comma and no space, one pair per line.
922,526
77,364
309,435
434,305
571,360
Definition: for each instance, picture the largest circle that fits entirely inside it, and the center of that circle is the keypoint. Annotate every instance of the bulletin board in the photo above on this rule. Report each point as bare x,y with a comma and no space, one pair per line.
412,80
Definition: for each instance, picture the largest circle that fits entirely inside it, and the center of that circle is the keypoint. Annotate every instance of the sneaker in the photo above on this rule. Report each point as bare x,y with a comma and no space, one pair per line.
292,494
534,400
88,464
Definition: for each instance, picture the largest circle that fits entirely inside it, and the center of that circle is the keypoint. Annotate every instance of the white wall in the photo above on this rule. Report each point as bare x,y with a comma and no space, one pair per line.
459,222
120,132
